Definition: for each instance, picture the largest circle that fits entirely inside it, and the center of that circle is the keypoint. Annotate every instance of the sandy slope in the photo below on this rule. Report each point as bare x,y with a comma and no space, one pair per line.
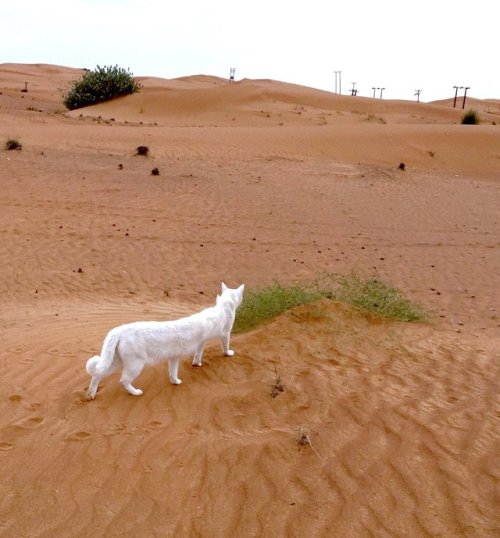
259,180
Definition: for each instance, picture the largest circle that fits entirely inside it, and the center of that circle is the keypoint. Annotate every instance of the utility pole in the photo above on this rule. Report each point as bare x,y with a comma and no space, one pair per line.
354,91
232,71
465,95
373,88
381,90
456,93
338,82
417,93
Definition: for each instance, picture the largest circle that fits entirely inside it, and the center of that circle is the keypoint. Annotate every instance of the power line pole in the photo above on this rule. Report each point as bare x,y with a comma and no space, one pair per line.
465,95
338,81
381,90
354,91
373,88
456,93
417,93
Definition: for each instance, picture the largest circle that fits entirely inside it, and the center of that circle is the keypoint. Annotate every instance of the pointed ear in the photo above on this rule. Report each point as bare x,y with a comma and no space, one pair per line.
223,286
241,288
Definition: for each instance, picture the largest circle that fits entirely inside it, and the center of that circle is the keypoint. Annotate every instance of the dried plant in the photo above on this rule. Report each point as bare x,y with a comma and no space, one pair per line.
277,387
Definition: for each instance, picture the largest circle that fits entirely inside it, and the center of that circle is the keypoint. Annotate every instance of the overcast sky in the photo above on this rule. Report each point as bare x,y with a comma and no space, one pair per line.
400,45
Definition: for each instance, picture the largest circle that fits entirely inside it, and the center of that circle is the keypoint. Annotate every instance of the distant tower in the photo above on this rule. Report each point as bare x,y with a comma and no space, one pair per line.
374,90
232,71
417,93
354,91
381,90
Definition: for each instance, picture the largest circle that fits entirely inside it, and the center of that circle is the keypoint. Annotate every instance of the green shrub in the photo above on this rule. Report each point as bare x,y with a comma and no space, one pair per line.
471,117
101,84
374,296
266,303
370,295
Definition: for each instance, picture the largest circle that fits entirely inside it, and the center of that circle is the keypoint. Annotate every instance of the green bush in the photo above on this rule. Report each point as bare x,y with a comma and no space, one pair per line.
101,84
471,117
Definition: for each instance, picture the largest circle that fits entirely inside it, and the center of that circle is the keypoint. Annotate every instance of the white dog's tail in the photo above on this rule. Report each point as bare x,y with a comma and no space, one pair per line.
99,365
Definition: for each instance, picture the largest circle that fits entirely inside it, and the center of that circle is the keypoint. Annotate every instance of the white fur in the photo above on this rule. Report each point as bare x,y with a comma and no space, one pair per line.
132,346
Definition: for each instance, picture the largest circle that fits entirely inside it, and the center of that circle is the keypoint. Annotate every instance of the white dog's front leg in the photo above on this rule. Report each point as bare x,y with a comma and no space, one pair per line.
173,368
224,341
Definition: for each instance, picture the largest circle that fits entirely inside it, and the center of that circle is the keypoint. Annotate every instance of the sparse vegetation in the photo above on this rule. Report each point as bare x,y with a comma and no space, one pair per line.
155,171
471,117
12,144
371,295
368,295
99,85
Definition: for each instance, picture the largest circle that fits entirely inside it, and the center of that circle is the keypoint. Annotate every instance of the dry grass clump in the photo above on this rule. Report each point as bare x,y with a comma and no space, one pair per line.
13,144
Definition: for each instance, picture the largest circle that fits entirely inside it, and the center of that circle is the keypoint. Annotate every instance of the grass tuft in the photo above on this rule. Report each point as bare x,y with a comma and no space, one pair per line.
374,296
368,295
262,304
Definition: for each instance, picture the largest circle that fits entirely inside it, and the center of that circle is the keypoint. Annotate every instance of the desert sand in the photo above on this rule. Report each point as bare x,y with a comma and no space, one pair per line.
259,180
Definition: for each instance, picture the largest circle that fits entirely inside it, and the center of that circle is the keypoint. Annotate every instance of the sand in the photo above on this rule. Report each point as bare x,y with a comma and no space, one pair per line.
259,180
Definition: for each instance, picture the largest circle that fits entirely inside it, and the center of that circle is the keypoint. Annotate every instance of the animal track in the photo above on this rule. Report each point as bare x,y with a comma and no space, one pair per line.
28,423
79,436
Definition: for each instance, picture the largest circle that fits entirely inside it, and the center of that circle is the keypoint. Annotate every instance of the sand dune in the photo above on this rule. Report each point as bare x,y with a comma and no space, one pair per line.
259,180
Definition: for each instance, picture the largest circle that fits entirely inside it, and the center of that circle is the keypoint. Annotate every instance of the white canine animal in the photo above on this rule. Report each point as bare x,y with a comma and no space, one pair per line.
132,346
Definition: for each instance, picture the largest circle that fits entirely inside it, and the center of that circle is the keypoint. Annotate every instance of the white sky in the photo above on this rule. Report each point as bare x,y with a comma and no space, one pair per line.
401,45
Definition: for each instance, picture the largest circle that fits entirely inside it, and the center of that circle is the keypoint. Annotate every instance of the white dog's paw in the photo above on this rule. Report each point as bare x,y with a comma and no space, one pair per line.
137,392
229,353
176,381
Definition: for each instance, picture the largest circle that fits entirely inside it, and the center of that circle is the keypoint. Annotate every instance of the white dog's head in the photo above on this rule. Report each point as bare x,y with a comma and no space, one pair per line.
234,294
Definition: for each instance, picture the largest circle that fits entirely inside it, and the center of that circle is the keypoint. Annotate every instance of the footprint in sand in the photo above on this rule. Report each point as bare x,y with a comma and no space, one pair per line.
78,436
31,422
15,397
155,424
6,446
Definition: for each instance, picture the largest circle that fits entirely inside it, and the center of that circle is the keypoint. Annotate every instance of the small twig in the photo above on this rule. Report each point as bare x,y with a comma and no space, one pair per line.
303,439
278,385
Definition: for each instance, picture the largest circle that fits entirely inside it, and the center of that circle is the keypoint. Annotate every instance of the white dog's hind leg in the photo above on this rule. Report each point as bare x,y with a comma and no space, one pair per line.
198,355
173,368
98,377
130,372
